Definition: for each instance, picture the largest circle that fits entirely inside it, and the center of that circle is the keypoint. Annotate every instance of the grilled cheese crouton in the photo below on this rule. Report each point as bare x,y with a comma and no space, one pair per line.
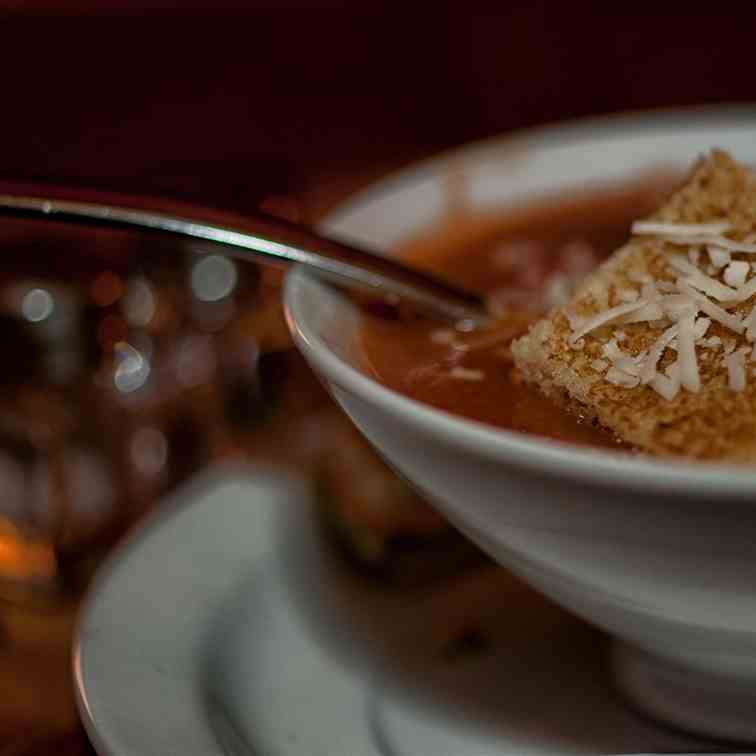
657,345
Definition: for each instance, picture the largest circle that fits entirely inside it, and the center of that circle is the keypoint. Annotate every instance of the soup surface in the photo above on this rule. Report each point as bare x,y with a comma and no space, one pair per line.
526,261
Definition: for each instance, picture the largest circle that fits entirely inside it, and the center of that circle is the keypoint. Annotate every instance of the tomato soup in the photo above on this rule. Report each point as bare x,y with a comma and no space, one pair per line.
526,261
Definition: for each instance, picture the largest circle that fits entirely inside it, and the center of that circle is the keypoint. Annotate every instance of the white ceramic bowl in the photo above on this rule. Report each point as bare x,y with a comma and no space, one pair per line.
661,555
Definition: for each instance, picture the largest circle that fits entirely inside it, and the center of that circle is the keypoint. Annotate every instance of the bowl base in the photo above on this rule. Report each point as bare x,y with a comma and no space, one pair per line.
686,697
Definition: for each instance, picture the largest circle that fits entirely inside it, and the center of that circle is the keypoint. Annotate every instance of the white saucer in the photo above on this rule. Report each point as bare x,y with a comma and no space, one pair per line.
227,625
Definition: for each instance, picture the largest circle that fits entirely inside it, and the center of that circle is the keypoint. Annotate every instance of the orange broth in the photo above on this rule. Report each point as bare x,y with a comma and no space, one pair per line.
519,252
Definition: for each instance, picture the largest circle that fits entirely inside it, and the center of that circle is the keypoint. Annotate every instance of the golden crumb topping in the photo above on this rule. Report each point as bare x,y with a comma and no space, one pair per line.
658,343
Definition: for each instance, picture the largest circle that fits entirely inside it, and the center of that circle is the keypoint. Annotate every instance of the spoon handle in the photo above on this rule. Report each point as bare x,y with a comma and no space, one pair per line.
272,238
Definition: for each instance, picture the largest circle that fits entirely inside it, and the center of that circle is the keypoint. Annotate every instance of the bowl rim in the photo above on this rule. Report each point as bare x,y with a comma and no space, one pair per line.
532,454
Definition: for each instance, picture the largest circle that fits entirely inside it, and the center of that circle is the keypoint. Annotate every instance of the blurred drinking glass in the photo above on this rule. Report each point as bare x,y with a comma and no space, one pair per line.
58,490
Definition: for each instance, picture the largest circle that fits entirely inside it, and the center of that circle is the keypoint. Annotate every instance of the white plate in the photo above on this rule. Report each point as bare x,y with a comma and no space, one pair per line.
226,625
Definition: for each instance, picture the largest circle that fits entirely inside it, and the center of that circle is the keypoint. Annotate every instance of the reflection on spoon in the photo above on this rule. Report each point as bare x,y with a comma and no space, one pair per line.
278,241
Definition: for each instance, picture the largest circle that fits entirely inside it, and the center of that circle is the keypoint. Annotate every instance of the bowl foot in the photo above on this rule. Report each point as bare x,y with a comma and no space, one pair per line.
686,696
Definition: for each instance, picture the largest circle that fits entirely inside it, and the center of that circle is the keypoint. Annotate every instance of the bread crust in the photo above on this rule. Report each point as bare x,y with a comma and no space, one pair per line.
716,423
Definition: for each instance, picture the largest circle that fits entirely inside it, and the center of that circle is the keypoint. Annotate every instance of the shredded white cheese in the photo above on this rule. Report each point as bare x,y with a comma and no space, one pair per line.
665,387
655,354
629,365
620,378
686,349
736,375
712,342
647,313
714,240
612,351
750,325
746,291
719,257
674,306
736,273
701,327
668,386
715,312
699,280
657,228
606,317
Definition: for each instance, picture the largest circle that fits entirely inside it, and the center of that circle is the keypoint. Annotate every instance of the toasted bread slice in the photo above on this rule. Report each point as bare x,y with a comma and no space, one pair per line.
657,345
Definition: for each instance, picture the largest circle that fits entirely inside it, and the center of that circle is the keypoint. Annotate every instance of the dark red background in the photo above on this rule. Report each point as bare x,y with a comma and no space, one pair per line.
225,103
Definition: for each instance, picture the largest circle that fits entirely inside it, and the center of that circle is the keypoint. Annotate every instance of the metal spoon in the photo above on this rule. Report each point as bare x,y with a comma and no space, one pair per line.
276,240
